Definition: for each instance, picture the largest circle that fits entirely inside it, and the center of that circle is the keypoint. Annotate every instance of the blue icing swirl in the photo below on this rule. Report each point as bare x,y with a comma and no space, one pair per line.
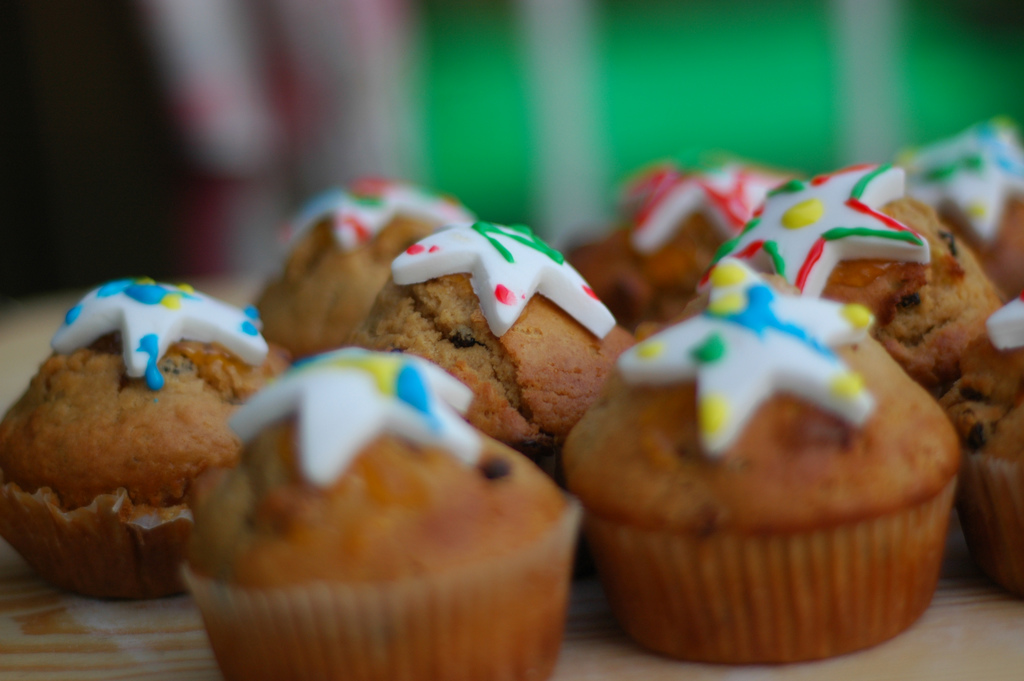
150,345
249,329
73,314
251,312
759,316
147,294
112,288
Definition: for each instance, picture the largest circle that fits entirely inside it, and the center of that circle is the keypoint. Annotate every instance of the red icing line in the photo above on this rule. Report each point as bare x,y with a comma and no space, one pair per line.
434,249
822,179
751,250
362,233
881,217
590,292
504,295
809,263
415,249
656,187
370,186
731,203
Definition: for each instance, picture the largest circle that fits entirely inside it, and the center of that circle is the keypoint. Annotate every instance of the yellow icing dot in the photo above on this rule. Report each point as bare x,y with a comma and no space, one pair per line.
713,413
858,315
187,288
728,274
802,214
977,209
144,280
727,304
650,350
172,301
847,385
383,369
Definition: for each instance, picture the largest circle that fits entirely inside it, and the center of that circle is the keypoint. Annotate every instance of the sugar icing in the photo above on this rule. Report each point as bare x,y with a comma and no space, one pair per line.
151,316
806,228
749,344
507,266
344,399
1006,325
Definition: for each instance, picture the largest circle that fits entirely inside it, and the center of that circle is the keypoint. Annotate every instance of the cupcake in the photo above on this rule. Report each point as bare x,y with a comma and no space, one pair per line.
673,219
370,533
976,182
986,409
341,247
465,298
97,456
762,483
852,237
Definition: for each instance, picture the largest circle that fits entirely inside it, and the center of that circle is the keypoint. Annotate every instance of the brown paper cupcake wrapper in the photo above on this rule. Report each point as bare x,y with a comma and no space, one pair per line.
501,620
738,598
107,549
990,503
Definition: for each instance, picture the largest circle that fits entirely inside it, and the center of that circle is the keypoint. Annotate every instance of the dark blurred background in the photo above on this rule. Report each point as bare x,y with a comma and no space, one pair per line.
172,138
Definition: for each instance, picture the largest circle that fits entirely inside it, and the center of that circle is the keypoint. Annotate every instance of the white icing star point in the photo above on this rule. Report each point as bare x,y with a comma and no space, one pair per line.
1006,325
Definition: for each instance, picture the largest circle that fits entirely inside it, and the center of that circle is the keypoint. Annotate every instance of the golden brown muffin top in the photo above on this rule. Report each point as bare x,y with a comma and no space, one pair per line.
85,428
325,291
531,384
635,457
401,510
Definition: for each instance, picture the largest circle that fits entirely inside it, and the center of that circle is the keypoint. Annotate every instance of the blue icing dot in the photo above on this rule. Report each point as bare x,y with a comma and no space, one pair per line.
410,388
73,314
147,294
251,312
112,288
150,345
248,328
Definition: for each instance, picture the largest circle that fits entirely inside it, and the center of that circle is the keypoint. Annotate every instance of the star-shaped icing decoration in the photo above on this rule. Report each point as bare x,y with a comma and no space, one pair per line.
806,228
971,175
369,205
344,399
661,199
152,316
749,344
1006,325
507,266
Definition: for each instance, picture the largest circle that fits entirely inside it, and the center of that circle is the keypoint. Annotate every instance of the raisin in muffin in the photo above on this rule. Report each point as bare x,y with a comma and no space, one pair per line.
97,456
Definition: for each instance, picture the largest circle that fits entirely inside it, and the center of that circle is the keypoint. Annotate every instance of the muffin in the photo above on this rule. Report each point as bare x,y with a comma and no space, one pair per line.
762,483
464,298
341,248
850,236
976,182
97,456
986,408
370,533
673,219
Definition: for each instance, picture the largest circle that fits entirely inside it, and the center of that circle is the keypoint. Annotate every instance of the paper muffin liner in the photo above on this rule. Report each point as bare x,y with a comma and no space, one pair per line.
109,549
500,620
990,503
742,598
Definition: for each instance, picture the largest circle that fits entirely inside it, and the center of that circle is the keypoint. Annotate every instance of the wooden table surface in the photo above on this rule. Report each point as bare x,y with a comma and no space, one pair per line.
973,630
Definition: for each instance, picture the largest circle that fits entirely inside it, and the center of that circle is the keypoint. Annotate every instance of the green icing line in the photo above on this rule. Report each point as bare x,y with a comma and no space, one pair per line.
725,249
789,188
843,232
368,199
750,225
973,162
772,249
858,189
711,350
522,234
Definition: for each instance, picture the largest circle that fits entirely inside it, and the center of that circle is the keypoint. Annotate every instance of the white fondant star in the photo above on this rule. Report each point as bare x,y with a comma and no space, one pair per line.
807,228
507,265
359,214
1006,325
345,399
662,198
151,316
750,343
971,175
